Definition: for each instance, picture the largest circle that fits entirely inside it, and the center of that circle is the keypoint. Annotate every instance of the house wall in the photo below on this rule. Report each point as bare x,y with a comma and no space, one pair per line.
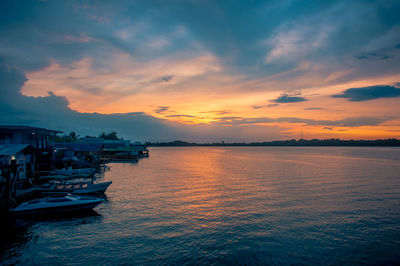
24,164
37,140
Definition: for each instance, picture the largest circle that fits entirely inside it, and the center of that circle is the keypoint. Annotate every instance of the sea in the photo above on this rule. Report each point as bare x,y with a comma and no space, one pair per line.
228,206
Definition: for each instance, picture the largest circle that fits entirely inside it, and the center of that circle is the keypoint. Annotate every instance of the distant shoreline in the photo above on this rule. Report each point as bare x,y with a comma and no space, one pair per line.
287,143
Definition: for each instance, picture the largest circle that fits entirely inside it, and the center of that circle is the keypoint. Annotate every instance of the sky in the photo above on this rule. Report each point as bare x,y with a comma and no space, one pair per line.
201,70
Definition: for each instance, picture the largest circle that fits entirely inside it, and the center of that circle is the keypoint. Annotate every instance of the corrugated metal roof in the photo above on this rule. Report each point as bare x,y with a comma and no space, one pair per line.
11,149
27,128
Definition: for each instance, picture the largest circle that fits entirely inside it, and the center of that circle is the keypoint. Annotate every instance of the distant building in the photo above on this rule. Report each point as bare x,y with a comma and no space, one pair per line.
141,149
119,151
91,139
84,153
115,144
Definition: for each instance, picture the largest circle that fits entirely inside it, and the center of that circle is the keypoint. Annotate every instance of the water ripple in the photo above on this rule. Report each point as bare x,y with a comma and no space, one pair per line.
224,206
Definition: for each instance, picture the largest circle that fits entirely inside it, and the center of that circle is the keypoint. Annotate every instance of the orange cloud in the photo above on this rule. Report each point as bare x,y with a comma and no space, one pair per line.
194,86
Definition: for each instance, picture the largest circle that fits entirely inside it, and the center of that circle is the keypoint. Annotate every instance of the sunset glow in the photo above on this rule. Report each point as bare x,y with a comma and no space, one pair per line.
215,69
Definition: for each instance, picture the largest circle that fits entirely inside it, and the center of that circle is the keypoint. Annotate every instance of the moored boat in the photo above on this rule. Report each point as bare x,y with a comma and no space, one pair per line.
54,177
57,204
80,171
75,188
64,177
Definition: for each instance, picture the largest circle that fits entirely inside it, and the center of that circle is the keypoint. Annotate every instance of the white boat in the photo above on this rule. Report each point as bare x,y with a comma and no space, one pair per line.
57,204
75,188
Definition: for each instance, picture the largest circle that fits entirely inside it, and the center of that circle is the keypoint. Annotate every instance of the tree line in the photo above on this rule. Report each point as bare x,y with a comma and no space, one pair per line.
73,137
292,142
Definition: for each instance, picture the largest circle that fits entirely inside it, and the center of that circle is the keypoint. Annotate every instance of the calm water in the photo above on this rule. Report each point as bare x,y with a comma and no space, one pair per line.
279,205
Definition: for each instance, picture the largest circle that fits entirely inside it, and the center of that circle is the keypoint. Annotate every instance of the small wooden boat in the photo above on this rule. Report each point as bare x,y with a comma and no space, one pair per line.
75,188
57,204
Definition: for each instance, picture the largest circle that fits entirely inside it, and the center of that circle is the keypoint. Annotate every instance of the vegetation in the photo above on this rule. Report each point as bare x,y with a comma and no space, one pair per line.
73,137
110,136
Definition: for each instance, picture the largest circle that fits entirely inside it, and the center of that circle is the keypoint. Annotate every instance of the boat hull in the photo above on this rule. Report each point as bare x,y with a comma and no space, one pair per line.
58,210
57,204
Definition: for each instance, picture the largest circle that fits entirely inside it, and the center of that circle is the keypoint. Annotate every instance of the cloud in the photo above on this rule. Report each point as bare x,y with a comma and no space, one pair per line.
369,93
16,108
189,116
345,122
217,112
313,108
379,54
122,76
357,121
298,38
167,78
263,106
293,43
161,109
191,55
286,98
53,111
371,55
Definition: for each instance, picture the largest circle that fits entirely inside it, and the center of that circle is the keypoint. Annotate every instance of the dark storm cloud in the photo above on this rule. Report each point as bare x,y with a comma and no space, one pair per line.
369,93
286,98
